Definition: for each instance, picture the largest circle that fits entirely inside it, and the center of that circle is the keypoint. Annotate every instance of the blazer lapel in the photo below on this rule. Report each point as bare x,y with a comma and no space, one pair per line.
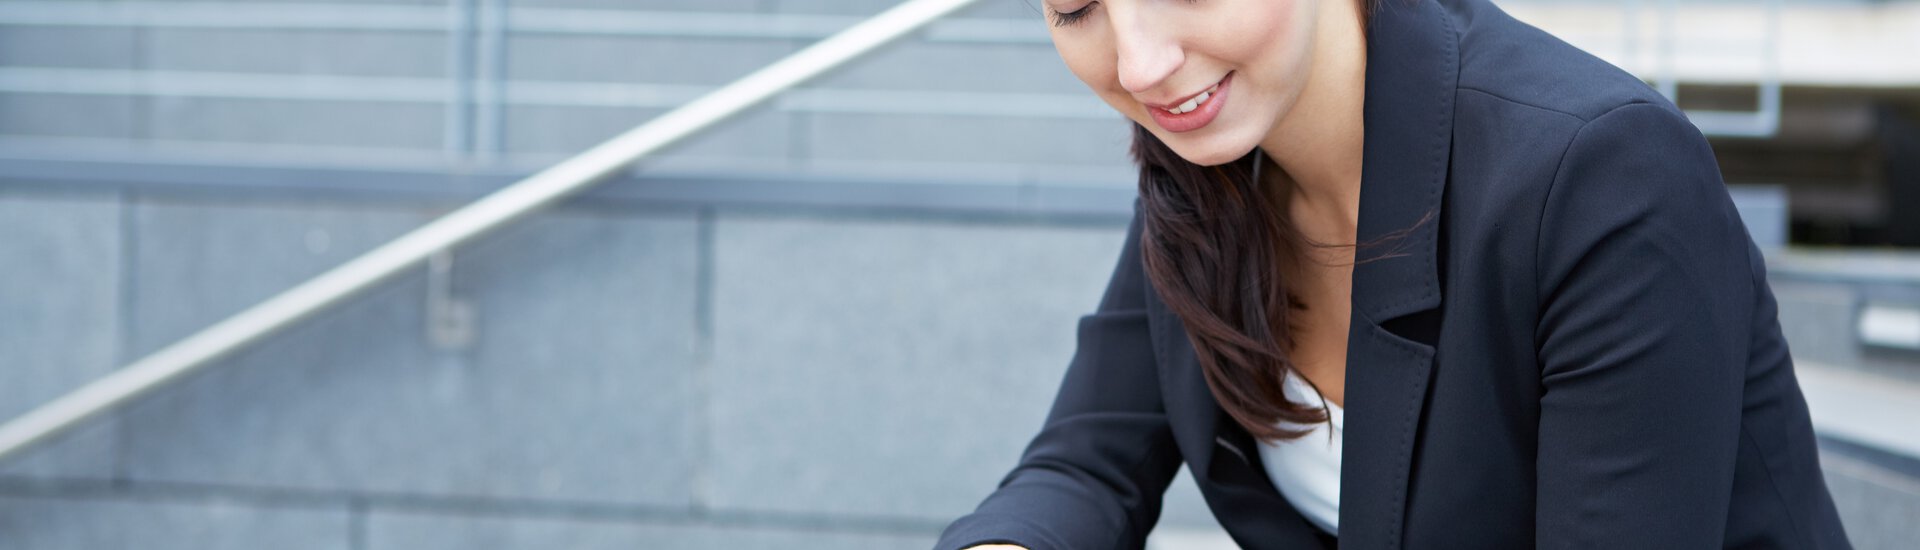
1412,72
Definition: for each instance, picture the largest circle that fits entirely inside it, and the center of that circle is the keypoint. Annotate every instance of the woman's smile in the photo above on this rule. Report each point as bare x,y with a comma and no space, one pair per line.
1169,66
1196,111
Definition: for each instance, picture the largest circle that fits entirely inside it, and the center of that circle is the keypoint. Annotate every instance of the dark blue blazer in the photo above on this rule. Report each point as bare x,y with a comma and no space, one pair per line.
1582,353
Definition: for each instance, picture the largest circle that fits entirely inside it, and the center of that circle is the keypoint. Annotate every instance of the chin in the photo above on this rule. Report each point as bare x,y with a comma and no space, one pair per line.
1208,154
1212,146
1213,158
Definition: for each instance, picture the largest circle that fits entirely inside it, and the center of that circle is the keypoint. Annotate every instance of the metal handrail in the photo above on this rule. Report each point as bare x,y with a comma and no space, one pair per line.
1764,120
486,214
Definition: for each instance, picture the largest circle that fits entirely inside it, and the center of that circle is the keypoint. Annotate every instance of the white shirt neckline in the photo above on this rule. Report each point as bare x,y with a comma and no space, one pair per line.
1306,471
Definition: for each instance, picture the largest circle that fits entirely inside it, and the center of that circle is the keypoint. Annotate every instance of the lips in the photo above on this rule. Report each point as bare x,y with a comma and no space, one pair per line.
1195,111
1194,103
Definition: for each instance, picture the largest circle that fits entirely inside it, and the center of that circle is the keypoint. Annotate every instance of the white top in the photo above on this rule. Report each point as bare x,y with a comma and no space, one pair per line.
1307,470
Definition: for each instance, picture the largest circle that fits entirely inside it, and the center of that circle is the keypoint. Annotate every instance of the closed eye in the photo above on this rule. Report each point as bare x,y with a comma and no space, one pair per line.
1069,18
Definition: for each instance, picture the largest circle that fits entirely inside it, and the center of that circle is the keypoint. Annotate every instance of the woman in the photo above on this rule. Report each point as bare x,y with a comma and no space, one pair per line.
1554,332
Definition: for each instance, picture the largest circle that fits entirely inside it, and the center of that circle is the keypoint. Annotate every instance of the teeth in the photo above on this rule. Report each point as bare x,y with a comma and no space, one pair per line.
1194,103
1188,106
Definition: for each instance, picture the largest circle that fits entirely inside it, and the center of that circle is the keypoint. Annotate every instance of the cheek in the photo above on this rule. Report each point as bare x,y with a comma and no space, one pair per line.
1092,60
1260,33
1085,59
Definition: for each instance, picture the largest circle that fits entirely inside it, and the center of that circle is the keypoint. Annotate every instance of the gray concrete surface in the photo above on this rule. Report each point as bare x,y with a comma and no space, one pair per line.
644,375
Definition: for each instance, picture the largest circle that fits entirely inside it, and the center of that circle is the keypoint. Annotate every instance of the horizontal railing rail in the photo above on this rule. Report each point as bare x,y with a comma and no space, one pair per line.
480,217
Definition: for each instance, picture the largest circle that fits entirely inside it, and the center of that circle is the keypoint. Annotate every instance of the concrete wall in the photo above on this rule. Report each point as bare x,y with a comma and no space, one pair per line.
656,374
642,376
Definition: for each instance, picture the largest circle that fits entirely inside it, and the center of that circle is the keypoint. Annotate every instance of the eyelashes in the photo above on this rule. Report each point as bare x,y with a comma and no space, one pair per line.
1069,18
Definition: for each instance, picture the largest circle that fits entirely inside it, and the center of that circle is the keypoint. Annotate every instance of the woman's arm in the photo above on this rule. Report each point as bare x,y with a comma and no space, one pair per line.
1646,295
1094,476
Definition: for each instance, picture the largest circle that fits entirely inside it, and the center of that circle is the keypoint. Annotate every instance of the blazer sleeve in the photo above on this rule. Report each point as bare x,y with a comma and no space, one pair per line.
1094,476
1646,293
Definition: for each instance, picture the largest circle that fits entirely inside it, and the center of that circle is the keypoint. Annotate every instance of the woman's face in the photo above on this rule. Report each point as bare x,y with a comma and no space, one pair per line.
1151,59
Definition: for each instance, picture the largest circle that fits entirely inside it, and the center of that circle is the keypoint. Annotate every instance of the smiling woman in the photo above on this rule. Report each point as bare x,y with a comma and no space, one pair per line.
1411,274
1150,59
1205,83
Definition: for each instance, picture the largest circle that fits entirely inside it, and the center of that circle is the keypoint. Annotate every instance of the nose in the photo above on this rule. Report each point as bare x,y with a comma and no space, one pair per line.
1147,53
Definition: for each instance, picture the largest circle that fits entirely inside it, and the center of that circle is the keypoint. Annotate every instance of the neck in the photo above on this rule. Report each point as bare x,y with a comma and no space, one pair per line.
1317,144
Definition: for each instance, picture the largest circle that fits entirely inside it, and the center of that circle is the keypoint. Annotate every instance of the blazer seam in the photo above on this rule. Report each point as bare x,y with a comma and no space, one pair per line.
1773,484
1490,94
1559,173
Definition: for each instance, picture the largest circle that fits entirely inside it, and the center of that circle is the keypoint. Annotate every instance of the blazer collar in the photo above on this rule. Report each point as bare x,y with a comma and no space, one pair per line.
1413,68
1412,71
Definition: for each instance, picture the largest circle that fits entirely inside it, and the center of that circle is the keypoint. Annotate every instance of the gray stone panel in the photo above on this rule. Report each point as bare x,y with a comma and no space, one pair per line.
839,138
197,263
311,407
639,59
760,134
1876,506
888,367
345,2
582,383
297,51
411,530
298,122
1008,9
1016,9
59,321
957,67
835,7
89,116
576,389
1817,320
744,6
71,47
46,523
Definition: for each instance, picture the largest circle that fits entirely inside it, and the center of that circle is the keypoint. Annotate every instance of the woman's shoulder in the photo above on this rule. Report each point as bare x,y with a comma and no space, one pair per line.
1507,60
1525,97
1598,156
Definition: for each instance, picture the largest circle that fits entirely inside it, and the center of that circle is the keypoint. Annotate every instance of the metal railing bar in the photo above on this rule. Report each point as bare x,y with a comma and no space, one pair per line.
481,216
462,20
1004,104
490,79
922,186
556,21
677,24
66,81
225,15
1764,121
526,92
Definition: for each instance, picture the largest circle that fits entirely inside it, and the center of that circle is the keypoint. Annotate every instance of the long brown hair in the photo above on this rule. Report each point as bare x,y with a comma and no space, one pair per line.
1214,243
